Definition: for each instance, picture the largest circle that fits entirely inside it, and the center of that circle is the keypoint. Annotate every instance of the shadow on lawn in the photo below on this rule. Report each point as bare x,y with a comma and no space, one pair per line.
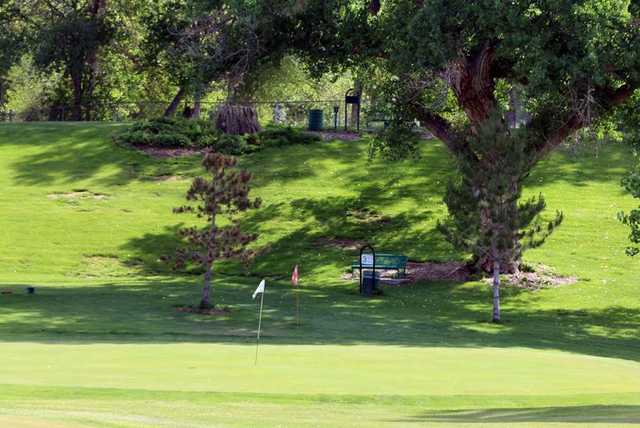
73,152
437,314
610,164
607,414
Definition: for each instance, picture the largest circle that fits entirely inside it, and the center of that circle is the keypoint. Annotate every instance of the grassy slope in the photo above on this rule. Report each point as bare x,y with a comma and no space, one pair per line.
103,315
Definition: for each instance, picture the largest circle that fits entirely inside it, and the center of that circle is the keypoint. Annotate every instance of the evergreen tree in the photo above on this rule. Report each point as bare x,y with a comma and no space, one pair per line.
225,194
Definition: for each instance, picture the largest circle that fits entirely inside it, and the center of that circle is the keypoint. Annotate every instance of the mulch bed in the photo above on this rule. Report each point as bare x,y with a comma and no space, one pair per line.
438,271
158,152
542,277
427,271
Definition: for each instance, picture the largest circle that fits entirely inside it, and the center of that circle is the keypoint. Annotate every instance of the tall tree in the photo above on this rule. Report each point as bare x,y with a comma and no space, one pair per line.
227,42
572,61
12,43
70,36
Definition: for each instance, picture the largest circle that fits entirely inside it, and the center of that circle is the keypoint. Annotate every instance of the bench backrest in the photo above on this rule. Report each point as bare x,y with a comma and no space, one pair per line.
384,259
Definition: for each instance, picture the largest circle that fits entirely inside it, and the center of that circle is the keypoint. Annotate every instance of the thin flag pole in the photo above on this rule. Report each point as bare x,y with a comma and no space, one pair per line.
259,327
297,306
295,277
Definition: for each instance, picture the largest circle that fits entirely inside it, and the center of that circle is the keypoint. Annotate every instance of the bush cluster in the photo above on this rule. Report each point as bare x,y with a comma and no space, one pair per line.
169,133
197,134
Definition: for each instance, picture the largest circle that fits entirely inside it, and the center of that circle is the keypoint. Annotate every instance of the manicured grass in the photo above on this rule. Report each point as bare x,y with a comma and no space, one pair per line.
102,344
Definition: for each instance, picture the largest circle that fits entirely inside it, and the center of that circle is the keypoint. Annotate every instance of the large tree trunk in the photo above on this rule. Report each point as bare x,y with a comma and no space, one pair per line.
76,111
205,301
172,108
237,119
98,9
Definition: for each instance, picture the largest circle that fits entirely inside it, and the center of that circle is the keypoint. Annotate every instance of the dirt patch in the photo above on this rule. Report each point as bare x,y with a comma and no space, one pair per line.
541,277
428,271
217,311
436,271
78,194
103,265
158,152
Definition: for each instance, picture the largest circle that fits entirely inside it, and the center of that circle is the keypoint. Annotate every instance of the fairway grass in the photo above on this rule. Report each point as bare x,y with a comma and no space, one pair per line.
127,385
101,342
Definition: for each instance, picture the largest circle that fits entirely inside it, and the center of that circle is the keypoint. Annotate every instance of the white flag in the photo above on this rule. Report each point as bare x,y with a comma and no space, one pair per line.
260,289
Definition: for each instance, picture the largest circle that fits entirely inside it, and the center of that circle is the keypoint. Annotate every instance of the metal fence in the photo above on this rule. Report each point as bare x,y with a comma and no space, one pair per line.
286,112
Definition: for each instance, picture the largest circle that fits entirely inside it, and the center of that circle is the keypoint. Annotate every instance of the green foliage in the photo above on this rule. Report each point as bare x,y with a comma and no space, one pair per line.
453,65
629,119
274,136
229,144
631,183
31,91
170,133
12,45
166,132
486,218
69,40
399,140
223,195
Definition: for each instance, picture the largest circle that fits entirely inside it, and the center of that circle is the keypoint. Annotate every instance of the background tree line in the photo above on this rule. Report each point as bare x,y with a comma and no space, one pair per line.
89,59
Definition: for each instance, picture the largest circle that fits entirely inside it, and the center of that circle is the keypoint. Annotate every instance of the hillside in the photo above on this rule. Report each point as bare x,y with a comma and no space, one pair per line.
85,222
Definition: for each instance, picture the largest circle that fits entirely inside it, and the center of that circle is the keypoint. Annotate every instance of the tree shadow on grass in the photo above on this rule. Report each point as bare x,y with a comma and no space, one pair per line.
71,153
609,165
420,315
596,414
426,314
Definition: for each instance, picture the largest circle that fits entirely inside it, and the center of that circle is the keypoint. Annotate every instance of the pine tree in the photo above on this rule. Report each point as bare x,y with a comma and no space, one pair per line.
225,194
485,216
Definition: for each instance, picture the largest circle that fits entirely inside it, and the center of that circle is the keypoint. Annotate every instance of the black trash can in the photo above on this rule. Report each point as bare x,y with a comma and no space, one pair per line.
369,283
316,119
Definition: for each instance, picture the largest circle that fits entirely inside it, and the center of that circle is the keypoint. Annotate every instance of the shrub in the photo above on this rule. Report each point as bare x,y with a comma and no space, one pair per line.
183,133
230,144
284,136
168,132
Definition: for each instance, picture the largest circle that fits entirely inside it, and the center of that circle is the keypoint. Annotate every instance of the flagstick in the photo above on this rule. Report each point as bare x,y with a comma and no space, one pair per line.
297,305
259,326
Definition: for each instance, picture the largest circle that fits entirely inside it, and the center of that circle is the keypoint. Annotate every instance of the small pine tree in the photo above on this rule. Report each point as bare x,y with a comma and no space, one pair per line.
485,217
225,195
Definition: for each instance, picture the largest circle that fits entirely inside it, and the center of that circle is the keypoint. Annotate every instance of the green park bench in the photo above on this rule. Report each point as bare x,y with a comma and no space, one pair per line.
384,261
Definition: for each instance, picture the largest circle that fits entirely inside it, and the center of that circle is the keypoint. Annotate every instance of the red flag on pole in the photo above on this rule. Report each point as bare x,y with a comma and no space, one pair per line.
294,277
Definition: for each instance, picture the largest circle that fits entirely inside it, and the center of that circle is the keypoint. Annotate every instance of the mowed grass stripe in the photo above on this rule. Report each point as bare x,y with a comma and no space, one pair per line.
323,369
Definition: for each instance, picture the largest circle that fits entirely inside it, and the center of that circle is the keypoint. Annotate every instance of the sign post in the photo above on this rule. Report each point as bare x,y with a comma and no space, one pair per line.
367,260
